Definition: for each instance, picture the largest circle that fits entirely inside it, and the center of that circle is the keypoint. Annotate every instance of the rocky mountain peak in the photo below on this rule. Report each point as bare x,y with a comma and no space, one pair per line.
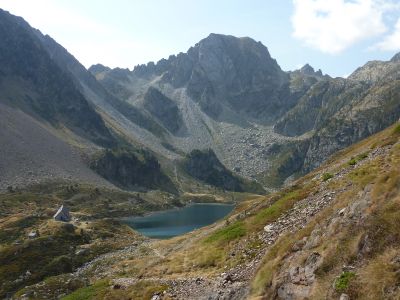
396,58
232,50
223,68
308,70
98,68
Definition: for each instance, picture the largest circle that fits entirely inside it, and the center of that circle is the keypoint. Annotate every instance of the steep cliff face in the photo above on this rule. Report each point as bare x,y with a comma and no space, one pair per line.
96,94
205,166
341,112
240,72
131,169
219,71
60,125
33,82
164,109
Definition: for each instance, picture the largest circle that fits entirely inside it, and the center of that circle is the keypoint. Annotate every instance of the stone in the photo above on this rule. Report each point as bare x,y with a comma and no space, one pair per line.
33,234
344,297
81,251
62,214
28,294
298,245
291,291
342,211
268,228
156,297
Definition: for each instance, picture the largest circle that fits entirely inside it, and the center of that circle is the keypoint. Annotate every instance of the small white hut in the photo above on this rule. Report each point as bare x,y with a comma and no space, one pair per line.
62,214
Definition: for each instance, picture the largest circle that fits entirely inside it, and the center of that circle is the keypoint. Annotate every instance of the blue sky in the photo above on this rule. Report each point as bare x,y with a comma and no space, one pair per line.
336,36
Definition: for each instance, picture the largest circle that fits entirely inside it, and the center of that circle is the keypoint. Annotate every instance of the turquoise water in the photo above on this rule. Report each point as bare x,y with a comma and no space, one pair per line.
170,223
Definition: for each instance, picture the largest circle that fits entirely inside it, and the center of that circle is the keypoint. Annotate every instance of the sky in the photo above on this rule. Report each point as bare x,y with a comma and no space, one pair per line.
336,36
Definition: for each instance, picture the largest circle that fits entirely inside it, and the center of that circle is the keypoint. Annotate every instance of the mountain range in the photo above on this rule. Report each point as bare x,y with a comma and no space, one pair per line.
221,123
225,94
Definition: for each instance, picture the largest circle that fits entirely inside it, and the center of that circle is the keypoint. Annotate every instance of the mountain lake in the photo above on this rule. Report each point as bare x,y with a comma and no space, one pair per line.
174,222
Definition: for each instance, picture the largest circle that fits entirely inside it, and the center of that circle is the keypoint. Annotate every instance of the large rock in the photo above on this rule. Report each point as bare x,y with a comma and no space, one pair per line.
297,282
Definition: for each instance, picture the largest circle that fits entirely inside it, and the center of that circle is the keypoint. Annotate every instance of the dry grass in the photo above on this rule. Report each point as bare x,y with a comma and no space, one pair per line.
380,278
343,245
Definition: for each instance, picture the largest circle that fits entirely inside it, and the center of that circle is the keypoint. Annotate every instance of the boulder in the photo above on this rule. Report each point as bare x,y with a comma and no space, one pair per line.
33,234
344,297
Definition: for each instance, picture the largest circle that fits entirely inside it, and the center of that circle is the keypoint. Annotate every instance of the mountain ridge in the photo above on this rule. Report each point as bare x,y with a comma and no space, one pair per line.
312,102
228,94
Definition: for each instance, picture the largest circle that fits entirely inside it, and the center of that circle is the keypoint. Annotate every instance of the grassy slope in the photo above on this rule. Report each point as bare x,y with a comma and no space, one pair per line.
235,240
31,209
375,270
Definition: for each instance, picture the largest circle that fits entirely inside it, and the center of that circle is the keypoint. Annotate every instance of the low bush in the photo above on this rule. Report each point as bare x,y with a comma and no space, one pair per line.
342,283
327,176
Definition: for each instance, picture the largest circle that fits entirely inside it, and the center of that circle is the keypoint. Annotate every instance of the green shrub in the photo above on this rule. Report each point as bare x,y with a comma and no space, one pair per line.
271,213
342,283
396,130
359,157
89,292
229,233
327,176
362,156
352,162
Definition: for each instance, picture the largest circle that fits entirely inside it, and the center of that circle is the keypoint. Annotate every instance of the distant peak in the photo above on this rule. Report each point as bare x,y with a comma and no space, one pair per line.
396,58
219,35
226,37
227,42
308,70
98,68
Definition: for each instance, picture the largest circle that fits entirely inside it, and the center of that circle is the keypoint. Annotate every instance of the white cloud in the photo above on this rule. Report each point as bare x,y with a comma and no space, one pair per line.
390,42
332,26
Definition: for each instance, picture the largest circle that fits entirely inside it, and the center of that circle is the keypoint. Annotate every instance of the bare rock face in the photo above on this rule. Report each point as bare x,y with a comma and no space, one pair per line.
34,83
297,281
396,58
240,72
169,115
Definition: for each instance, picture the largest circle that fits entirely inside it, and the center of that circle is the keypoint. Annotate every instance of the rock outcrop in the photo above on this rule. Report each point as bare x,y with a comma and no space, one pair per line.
205,166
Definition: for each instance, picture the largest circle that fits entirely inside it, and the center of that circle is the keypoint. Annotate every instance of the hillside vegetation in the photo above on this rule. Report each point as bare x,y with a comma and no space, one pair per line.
332,232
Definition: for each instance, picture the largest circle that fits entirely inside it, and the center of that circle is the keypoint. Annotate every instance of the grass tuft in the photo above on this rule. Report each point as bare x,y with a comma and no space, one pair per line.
342,283
327,176
354,160
94,291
